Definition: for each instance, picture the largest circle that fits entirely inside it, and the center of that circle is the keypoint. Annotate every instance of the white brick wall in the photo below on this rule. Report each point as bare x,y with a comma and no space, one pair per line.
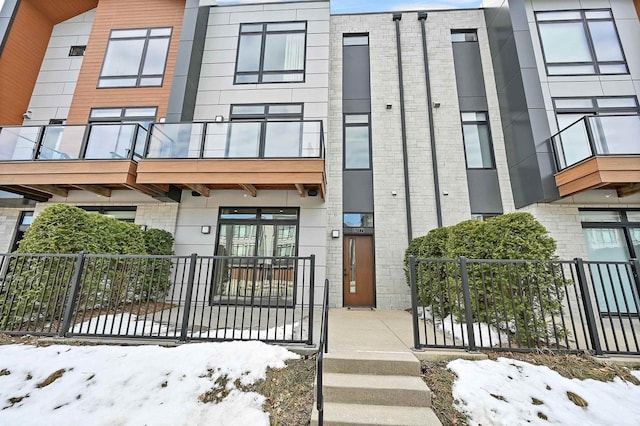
8,223
390,212
56,83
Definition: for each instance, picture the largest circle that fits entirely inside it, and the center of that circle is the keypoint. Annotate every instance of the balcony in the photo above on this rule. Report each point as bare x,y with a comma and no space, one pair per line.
248,155
599,152
41,161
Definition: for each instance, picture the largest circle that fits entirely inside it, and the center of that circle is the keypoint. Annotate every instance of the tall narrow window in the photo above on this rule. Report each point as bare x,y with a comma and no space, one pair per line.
271,53
357,143
477,140
135,58
578,42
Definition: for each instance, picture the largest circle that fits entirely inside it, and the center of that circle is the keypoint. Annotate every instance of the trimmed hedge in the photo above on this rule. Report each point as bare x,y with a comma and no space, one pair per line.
38,284
517,303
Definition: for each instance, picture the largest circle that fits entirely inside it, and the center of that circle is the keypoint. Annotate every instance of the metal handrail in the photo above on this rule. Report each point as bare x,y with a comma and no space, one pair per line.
323,348
557,145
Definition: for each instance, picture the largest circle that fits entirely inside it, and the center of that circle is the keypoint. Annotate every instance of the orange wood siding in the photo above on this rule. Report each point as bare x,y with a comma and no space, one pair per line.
82,172
21,60
118,14
25,48
599,172
637,3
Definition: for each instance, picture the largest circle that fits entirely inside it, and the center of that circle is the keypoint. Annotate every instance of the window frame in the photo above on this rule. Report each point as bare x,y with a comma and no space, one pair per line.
595,109
473,32
345,125
464,122
123,118
587,32
102,209
143,56
261,72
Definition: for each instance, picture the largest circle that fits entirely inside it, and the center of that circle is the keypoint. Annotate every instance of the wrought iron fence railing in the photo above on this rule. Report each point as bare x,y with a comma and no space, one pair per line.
160,297
523,305
323,348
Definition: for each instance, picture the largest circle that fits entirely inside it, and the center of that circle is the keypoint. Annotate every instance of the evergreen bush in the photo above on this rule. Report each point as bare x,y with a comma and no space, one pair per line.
518,299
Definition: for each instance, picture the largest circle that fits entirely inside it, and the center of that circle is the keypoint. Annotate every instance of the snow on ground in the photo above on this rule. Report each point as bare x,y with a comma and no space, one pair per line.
502,392
114,385
129,324
483,332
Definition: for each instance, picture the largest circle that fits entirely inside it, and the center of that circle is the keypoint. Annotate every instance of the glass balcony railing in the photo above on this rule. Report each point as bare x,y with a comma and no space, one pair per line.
104,141
597,136
238,139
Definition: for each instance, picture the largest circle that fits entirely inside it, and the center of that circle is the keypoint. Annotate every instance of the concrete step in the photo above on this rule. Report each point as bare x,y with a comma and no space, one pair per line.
376,390
358,415
374,363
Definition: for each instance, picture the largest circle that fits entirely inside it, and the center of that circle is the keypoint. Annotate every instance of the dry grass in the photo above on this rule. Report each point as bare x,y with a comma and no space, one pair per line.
582,367
289,392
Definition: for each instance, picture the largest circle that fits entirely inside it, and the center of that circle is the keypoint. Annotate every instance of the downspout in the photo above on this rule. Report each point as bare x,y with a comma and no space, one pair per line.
407,196
422,17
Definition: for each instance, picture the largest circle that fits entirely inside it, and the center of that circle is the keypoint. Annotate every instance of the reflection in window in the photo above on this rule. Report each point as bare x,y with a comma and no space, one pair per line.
356,142
135,58
477,140
581,42
270,53
358,220
258,249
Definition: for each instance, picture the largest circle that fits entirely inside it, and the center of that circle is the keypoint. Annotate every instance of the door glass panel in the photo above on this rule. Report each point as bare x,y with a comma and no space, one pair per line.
613,284
352,265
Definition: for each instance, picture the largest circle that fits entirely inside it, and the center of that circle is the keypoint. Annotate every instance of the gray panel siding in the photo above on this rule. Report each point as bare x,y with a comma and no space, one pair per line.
469,76
356,77
357,191
484,191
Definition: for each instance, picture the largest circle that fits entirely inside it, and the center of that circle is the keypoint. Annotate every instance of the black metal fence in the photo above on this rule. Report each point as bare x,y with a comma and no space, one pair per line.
162,297
323,348
521,305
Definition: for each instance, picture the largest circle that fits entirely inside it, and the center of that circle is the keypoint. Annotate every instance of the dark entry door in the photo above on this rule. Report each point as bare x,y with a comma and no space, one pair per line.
358,283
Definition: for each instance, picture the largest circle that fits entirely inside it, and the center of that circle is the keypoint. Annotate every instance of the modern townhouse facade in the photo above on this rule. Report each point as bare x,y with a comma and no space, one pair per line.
280,129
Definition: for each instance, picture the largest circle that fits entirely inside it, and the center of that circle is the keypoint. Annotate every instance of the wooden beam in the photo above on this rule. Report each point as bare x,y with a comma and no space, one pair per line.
199,188
29,193
625,191
250,189
96,189
50,189
301,191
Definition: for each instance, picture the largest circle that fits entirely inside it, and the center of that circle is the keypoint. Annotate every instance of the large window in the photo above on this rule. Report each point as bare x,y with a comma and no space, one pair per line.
269,236
613,236
570,110
135,58
357,143
579,42
477,140
271,53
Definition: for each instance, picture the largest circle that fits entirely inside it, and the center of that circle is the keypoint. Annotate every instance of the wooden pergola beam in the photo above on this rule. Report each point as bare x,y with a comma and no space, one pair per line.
96,189
250,189
301,191
199,188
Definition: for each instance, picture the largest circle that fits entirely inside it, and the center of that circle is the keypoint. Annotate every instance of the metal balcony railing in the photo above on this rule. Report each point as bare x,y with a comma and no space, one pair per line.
237,140
104,141
596,136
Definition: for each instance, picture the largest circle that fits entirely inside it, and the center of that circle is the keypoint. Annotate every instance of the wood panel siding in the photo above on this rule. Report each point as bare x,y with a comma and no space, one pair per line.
295,174
612,172
25,49
74,172
637,3
117,14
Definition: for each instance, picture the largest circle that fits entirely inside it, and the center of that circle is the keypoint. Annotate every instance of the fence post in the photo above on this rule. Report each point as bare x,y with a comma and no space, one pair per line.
312,278
414,302
588,306
75,288
187,302
466,295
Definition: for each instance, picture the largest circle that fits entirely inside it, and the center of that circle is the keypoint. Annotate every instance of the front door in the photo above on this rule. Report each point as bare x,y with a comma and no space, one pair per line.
358,283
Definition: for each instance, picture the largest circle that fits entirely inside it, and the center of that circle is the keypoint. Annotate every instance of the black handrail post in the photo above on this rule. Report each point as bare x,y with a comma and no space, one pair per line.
587,125
466,295
414,302
312,277
189,294
203,139
325,315
38,147
147,141
75,288
588,306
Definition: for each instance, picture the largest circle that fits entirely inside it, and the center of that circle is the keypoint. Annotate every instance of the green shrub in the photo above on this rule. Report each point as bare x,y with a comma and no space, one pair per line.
38,285
517,299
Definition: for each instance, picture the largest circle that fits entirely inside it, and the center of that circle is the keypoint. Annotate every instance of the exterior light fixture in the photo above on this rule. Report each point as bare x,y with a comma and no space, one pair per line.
389,106
219,119
335,233
206,229
143,227
312,192
436,104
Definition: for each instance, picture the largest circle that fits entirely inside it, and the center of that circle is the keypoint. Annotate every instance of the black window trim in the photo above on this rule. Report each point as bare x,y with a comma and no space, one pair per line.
595,109
139,76
473,31
263,119
354,35
344,139
77,50
122,118
102,209
623,224
261,71
583,19
464,145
